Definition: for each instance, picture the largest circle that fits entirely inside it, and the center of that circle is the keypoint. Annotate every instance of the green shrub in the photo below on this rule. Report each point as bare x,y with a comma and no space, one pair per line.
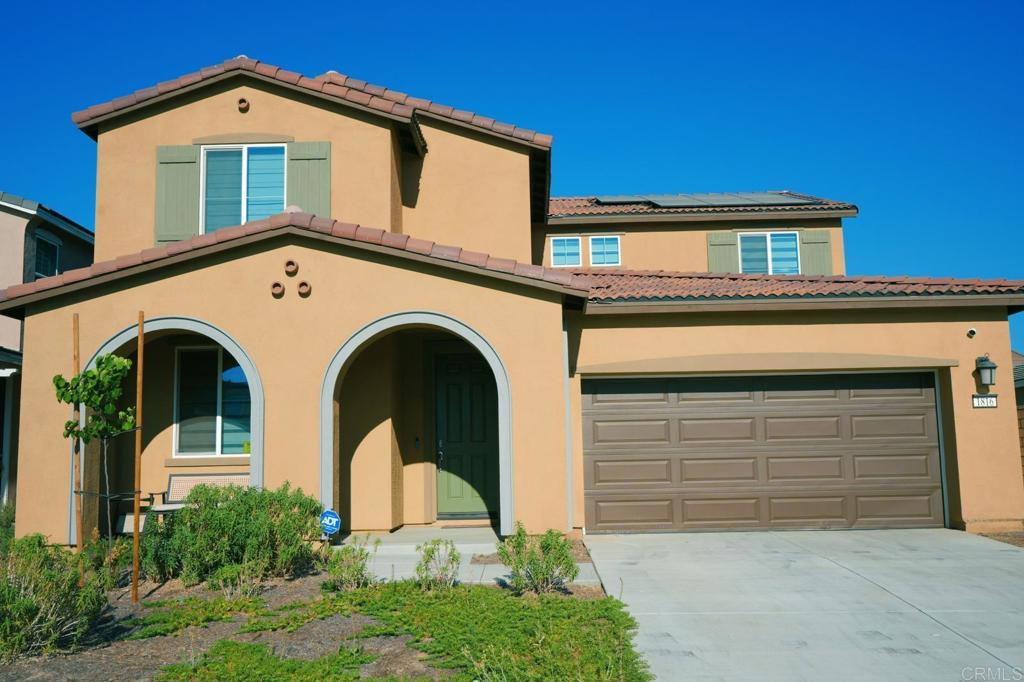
42,606
220,526
438,566
348,566
6,526
228,660
540,564
238,580
111,560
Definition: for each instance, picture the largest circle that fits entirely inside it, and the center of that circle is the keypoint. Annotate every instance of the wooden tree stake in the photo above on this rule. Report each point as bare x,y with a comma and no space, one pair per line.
77,451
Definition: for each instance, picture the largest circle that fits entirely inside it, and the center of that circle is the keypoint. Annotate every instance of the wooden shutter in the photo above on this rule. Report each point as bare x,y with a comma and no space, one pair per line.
309,177
815,252
723,252
177,193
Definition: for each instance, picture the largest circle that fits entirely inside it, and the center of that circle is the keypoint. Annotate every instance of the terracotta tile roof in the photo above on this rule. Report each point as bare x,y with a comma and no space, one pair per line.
357,235
335,85
559,207
663,285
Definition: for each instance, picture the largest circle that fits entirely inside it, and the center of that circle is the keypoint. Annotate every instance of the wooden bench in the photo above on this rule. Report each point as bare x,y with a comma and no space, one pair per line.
173,499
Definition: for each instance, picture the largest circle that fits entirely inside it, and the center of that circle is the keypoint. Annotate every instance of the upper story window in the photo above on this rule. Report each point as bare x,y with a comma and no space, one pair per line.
47,256
565,252
241,183
769,253
212,405
605,251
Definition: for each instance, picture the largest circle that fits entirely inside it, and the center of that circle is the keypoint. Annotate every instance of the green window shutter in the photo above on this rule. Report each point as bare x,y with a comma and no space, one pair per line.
309,177
723,252
815,252
177,193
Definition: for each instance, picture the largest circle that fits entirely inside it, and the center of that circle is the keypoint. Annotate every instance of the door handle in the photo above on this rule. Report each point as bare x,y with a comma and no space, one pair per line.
440,454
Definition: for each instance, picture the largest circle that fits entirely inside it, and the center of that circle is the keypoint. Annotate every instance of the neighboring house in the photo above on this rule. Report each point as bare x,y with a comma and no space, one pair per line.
35,242
311,255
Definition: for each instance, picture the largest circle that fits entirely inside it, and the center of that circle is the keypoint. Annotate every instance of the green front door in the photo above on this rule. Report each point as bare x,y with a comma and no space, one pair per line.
467,437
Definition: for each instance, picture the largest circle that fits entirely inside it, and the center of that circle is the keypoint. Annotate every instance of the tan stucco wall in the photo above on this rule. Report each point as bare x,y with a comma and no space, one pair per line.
469,190
679,246
291,341
473,193
12,269
984,444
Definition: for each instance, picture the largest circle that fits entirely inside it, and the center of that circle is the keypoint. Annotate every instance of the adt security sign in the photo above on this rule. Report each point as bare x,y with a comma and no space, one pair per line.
330,522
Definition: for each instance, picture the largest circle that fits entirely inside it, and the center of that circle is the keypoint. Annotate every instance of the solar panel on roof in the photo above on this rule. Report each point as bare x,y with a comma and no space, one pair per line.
709,199
620,199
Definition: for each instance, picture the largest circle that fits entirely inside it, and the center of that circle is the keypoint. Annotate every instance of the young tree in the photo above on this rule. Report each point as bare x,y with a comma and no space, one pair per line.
99,391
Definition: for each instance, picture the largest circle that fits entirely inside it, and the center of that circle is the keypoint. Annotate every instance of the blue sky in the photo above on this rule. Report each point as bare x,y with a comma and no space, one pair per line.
910,110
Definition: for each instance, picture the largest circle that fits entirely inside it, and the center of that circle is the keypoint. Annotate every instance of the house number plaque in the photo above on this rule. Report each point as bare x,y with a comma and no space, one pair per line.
985,400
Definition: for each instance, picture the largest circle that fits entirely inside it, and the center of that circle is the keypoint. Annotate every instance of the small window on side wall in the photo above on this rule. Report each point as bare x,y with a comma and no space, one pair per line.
605,251
565,252
769,253
47,257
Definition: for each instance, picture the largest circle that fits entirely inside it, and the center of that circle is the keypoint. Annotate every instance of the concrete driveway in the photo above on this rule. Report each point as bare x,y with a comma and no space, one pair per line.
926,605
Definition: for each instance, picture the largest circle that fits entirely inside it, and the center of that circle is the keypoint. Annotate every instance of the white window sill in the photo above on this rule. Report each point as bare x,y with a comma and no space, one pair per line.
211,461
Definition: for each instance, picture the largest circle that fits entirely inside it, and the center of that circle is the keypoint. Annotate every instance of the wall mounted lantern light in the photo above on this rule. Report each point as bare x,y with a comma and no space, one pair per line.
986,371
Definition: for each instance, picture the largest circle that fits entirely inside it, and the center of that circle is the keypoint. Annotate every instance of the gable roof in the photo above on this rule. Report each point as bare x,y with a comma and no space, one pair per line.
695,204
662,286
292,221
332,85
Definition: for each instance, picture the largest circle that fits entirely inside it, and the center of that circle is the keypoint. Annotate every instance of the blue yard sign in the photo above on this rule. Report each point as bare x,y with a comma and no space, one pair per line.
330,522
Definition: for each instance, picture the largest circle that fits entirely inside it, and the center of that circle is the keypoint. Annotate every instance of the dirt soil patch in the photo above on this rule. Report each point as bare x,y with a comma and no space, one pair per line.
579,552
107,657
1015,538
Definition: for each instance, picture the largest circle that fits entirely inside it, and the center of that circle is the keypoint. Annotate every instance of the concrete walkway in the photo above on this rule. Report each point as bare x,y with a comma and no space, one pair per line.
927,605
396,555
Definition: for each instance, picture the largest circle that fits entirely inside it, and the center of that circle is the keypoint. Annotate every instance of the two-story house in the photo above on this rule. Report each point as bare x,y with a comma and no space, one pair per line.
373,296
35,242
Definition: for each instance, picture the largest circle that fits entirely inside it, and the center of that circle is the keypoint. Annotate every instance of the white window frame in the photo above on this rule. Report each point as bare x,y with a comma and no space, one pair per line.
220,405
245,175
579,241
768,240
42,236
590,246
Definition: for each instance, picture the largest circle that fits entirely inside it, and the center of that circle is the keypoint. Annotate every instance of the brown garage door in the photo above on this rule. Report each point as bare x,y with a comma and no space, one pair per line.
859,451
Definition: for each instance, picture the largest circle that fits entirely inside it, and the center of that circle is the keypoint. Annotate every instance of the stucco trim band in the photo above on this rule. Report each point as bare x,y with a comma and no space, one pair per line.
229,344
765,362
389,323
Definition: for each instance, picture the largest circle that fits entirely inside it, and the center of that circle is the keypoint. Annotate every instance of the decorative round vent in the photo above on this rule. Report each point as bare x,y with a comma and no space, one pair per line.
277,290
304,289
243,104
291,268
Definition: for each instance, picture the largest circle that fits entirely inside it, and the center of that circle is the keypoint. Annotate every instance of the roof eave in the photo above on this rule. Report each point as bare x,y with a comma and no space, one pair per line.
632,218
1013,303
15,307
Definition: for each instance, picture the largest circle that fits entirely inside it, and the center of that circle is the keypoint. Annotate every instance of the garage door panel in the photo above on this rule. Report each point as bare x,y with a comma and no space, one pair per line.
718,429
803,428
805,468
763,452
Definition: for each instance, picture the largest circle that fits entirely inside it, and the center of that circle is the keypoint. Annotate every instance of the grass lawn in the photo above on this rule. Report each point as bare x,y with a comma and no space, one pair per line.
477,632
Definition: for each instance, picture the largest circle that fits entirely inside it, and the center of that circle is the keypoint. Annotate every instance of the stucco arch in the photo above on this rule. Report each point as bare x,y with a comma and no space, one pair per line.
229,344
395,321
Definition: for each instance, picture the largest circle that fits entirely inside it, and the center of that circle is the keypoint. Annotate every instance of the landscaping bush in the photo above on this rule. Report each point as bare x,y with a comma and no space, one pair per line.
6,527
438,566
238,580
348,566
219,526
539,564
111,560
42,605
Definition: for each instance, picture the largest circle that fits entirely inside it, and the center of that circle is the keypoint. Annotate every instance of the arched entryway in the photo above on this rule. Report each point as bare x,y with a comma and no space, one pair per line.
203,407
405,387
